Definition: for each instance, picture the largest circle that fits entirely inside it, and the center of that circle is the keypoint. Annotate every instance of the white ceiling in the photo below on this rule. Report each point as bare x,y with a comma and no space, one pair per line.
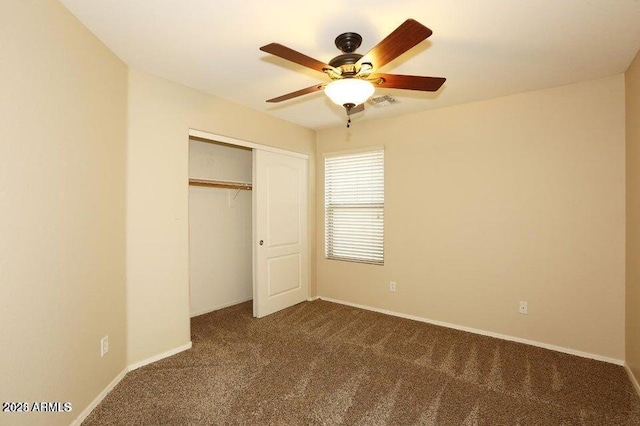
485,48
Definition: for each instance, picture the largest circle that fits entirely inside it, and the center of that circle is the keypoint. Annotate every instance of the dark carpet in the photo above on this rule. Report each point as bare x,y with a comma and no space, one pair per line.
320,363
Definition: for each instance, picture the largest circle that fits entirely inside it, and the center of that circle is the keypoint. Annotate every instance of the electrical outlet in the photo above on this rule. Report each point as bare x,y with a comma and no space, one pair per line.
392,286
104,345
524,308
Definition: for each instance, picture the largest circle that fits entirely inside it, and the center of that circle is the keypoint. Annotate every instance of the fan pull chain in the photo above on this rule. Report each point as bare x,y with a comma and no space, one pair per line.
349,122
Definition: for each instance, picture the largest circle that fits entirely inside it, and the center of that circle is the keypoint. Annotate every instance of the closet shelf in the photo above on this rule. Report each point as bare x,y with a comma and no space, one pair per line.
220,184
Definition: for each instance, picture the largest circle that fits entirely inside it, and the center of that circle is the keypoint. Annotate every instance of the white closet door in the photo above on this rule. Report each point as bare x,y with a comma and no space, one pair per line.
281,252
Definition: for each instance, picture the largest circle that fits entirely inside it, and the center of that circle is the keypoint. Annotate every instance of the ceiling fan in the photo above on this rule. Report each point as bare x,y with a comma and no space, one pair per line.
354,76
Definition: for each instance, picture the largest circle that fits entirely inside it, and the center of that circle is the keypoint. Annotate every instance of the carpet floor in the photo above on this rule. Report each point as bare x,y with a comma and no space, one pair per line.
321,363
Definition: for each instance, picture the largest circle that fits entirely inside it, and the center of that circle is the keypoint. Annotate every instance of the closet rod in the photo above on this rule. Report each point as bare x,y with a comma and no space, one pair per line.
220,184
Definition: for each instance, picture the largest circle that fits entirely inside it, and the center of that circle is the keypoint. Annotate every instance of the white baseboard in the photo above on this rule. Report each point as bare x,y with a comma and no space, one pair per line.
633,379
158,357
481,332
218,307
311,299
85,413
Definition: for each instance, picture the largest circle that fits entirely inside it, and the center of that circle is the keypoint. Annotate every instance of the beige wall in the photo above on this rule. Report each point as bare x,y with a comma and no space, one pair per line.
632,79
62,211
160,115
490,203
220,228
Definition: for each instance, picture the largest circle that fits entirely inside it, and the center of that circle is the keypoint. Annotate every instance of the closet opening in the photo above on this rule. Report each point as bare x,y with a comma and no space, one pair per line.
220,225
248,225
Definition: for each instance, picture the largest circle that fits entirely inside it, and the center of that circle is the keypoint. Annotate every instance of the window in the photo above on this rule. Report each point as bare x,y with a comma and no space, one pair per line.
354,207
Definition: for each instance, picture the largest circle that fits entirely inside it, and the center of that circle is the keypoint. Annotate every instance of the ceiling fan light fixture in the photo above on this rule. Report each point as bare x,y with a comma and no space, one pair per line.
349,91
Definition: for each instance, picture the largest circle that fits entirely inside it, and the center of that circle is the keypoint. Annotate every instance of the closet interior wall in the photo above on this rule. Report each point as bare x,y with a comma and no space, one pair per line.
219,227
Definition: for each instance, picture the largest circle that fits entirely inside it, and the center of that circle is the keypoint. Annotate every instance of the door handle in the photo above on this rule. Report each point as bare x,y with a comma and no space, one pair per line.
261,242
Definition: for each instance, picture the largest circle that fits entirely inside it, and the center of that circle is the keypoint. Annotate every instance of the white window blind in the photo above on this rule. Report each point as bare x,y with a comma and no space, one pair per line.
354,207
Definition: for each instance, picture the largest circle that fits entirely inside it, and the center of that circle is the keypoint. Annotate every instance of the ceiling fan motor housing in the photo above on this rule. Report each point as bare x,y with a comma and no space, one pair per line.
345,59
347,43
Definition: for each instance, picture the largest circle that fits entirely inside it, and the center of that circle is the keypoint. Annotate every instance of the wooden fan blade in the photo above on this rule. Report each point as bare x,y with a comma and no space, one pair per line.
294,56
356,109
409,82
297,93
407,35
